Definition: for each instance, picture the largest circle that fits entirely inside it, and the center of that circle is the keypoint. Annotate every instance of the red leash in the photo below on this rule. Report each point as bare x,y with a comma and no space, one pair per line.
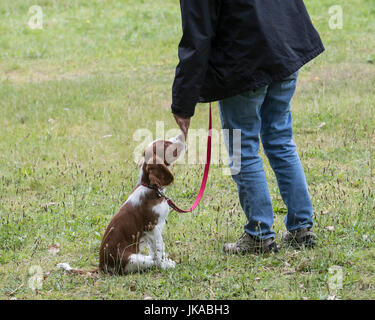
205,174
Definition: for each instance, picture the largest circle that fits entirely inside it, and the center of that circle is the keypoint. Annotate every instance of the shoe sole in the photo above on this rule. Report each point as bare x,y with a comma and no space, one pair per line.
272,248
307,242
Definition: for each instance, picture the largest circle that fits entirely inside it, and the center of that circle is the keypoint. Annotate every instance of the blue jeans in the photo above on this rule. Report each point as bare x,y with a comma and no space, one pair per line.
267,113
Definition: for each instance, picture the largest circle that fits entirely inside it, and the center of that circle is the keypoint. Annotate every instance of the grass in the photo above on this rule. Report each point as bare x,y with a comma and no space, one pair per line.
73,94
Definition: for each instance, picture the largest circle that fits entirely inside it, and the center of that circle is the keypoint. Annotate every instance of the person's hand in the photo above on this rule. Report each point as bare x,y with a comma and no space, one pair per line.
183,123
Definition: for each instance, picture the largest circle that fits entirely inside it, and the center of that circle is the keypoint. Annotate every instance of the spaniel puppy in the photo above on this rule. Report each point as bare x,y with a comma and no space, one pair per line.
140,220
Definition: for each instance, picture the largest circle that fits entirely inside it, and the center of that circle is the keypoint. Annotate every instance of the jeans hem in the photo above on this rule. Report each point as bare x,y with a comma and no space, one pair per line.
259,237
302,226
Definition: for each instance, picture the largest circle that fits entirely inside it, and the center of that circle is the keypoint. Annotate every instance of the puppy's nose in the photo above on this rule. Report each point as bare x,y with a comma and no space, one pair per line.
180,137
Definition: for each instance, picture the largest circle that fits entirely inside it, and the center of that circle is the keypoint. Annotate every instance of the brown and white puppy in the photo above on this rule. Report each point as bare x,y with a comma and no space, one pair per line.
140,220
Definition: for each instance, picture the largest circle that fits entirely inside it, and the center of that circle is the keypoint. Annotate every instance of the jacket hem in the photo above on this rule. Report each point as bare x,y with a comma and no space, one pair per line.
257,85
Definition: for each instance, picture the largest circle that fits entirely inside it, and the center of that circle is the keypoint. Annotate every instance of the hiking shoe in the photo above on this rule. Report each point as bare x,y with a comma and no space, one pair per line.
304,237
249,244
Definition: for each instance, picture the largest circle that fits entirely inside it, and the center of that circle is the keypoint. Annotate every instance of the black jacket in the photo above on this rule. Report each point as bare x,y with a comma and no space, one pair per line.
232,46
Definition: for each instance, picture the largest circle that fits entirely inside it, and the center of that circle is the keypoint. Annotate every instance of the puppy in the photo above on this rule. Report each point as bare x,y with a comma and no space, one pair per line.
140,220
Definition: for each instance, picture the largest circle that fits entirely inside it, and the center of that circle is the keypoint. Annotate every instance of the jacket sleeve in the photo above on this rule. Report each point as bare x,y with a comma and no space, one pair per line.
199,21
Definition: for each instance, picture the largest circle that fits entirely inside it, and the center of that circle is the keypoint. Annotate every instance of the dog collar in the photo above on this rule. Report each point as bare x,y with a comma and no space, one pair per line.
159,192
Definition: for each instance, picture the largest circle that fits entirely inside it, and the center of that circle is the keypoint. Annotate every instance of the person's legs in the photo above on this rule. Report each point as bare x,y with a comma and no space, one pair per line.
278,144
243,112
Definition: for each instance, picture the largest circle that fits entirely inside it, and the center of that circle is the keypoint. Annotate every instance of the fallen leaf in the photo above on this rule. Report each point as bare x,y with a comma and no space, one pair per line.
92,275
54,248
289,271
212,294
302,266
47,205
132,287
11,293
323,124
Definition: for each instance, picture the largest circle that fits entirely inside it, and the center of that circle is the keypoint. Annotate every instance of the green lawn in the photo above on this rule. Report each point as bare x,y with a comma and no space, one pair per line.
73,94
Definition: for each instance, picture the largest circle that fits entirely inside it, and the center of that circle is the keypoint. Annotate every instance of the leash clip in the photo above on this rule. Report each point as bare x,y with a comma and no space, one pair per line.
160,193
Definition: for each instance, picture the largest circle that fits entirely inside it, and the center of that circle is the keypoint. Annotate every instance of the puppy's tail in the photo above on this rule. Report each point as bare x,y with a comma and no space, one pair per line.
68,268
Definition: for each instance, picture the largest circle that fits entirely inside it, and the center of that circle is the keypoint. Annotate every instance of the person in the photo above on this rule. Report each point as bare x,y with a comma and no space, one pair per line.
246,54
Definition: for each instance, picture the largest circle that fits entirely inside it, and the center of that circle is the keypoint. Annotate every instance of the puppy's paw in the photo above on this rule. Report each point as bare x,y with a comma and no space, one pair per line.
167,264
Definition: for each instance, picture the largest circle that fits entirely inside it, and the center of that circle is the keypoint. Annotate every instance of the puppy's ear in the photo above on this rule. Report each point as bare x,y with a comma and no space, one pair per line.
159,174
